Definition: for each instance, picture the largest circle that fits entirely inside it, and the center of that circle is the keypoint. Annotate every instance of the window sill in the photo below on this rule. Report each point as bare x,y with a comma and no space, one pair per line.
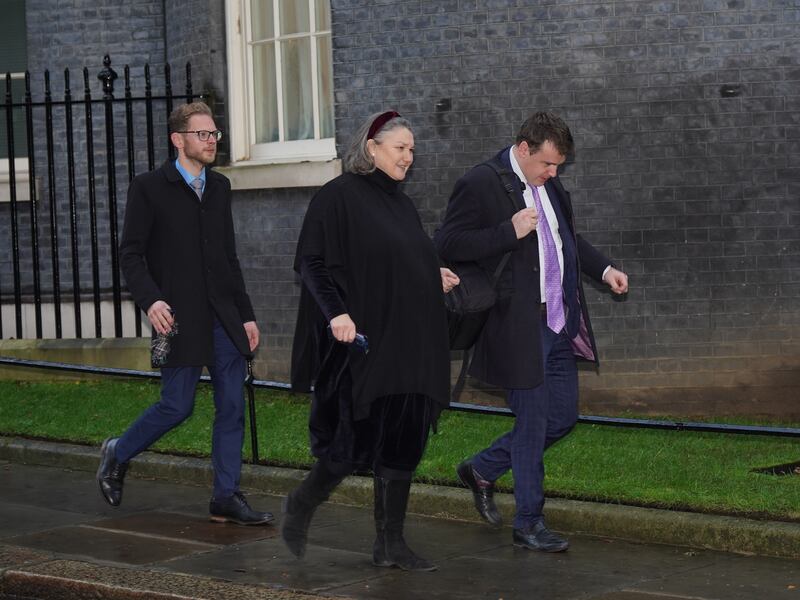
254,175
22,188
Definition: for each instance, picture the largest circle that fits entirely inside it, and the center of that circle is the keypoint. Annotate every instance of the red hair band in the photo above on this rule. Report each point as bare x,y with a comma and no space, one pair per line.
380,121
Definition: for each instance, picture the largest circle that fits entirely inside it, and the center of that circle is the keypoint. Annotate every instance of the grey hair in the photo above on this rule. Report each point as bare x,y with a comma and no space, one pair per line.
357,159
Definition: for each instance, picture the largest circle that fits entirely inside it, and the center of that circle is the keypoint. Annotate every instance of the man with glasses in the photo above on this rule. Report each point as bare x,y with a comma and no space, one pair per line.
178,257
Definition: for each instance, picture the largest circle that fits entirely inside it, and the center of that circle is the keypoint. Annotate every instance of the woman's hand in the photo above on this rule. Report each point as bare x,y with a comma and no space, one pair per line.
343,328
449,279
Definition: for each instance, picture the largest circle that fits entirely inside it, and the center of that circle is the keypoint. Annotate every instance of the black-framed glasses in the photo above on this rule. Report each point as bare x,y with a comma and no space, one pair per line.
204,134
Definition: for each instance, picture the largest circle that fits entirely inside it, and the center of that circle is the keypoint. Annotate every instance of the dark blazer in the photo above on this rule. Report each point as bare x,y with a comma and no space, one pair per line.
177,249
477,227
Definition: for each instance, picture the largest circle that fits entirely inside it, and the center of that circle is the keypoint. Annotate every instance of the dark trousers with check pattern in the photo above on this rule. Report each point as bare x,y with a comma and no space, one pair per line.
543,415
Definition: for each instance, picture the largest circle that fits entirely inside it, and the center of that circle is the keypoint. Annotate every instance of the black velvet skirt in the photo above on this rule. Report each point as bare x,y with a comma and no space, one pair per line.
392,438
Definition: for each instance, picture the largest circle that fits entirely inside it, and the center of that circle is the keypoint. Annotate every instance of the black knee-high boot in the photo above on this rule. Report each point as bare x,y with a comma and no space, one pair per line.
390,549
300,504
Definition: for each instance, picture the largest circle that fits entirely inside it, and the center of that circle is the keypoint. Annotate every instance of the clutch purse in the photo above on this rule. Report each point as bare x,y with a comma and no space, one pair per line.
160,345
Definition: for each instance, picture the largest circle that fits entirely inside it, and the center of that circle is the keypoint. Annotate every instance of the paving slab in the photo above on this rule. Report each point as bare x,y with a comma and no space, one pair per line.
453,538
323,569
18,519
731,577
470,578
110,546
77,491
188,528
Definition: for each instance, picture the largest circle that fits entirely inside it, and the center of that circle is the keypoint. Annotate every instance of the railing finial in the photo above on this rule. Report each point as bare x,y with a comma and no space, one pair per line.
107,77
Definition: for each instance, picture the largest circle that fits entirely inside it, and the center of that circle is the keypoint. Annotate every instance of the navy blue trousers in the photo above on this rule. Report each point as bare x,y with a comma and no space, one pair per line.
543,415
178,386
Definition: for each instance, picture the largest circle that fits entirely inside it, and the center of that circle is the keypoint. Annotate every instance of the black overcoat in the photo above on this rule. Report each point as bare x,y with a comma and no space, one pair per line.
182,251
477,227
386,270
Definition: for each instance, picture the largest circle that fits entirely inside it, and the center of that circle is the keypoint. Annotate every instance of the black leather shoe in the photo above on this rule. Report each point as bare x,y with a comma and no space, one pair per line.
482,493
236,510
539,537
110,473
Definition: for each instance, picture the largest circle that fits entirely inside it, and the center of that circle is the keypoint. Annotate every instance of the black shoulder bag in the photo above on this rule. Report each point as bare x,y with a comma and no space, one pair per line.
469,303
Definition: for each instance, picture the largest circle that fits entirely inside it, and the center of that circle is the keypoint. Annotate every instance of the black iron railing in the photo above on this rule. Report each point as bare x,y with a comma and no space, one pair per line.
83,186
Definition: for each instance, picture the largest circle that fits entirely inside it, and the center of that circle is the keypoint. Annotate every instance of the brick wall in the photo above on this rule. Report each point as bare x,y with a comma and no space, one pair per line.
692,191
267,224
196,34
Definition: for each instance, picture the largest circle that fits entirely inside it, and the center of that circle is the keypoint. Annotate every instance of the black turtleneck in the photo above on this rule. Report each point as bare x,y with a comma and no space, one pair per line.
312,267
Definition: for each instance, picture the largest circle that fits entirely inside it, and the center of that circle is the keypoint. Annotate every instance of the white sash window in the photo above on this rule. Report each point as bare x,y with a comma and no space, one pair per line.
280,80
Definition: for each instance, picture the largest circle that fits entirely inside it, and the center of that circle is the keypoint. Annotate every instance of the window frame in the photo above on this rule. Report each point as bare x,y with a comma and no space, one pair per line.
21,168
241,98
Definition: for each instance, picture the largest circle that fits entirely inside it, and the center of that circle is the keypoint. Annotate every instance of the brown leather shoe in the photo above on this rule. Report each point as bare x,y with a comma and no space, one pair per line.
482,493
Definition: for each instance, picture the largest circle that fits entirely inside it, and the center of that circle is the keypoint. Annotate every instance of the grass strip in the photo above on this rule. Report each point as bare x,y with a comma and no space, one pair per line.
703,472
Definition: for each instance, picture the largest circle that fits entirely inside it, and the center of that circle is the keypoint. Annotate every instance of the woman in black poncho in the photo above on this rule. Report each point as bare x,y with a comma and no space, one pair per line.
368,268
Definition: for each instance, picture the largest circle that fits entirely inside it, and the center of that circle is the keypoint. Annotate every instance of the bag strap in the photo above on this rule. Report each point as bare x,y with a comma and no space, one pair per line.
466,361
509,179
501,265
510,182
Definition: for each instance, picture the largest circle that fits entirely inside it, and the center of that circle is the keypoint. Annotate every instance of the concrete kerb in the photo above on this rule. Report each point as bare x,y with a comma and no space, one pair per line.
713,532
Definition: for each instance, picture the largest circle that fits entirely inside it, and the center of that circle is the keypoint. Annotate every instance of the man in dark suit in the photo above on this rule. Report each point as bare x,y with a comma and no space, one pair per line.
178,257
539,324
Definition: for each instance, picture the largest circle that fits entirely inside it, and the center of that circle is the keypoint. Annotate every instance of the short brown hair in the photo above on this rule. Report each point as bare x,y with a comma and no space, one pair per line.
546,126
179,118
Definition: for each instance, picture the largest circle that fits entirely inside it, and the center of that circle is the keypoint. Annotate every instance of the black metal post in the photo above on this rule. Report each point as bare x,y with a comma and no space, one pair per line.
12,185
51,188
87,96
251,405
107,76
148,107
34,208
168,94
73,211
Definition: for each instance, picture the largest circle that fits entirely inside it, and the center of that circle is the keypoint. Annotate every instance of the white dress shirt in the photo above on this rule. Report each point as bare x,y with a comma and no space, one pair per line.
552,221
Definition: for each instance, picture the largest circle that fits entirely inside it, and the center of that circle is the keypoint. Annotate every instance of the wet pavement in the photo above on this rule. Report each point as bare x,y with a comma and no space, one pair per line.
56,533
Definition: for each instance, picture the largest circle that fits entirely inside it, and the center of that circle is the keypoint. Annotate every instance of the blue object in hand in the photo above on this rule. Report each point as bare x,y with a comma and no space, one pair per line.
359,342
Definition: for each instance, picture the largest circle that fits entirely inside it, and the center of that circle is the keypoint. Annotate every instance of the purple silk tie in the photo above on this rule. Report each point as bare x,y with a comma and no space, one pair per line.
552,271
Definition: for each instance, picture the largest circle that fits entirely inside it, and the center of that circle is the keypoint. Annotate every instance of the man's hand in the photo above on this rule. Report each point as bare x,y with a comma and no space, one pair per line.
449,279
616,280
251,329
343,328
524,222
160,315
